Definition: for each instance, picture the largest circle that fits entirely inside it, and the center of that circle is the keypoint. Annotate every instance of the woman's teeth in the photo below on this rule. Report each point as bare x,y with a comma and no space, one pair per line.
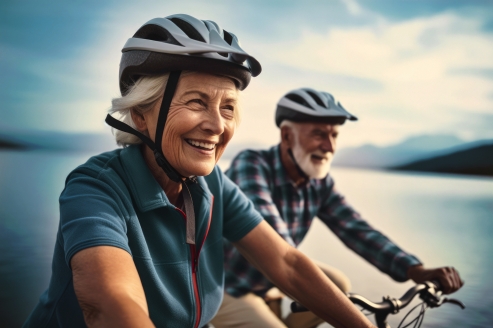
204,145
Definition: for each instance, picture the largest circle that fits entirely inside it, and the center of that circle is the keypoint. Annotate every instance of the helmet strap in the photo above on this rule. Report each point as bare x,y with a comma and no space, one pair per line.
298,168
169,92
156,147
170,171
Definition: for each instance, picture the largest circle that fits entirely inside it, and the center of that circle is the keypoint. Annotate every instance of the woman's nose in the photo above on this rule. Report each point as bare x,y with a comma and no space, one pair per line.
213,122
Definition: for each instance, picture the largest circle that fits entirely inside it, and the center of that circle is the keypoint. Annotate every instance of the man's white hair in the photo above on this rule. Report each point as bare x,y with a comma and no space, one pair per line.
292,125
142,97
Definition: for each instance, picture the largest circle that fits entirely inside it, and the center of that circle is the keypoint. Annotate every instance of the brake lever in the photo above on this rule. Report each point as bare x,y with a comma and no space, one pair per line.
454,301
432,296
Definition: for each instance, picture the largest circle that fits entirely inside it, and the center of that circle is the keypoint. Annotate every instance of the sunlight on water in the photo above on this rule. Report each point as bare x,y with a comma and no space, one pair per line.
443,220
31,183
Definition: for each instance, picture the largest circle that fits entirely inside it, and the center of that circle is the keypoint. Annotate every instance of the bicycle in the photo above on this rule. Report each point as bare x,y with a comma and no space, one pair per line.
429,292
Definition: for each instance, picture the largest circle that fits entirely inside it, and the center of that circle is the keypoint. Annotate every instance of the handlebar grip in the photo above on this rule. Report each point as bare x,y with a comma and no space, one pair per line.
297,307
437,284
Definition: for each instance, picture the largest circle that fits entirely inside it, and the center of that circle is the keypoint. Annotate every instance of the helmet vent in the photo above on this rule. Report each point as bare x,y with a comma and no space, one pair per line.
188,29
316,98
155,33
228,37
298,99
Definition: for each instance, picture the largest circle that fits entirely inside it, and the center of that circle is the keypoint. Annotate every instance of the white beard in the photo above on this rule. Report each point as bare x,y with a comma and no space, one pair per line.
314,171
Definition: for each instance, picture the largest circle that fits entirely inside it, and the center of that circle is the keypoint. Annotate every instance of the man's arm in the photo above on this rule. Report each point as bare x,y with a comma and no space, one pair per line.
108,288
448,277
377,249
363,239
299,277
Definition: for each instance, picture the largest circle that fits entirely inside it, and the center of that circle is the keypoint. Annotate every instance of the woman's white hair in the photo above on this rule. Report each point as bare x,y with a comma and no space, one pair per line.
142,97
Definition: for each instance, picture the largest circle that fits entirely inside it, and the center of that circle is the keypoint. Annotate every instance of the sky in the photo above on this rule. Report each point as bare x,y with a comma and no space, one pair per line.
403,68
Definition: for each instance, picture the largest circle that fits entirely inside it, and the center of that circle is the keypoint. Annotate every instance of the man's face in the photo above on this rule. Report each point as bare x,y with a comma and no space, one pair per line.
314,147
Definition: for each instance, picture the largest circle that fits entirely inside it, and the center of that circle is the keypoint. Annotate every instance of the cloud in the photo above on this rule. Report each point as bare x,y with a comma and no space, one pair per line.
472,126
486,73
353,7
410,61
416,75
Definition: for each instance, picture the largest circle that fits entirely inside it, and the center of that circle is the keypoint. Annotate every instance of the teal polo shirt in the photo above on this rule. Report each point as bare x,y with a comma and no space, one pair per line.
114,200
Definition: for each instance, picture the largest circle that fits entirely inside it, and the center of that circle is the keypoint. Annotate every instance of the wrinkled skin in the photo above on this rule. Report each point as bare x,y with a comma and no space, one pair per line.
202,112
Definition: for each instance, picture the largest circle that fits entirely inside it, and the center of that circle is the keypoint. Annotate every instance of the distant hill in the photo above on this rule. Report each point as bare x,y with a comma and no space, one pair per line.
409,150
476,161
5,144
58,141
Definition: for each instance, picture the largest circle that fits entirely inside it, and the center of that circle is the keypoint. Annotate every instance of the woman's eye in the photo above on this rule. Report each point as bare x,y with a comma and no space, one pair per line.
228,112
197,102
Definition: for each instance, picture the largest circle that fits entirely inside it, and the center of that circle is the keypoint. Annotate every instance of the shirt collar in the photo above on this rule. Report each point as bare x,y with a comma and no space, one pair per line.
145,190
281,176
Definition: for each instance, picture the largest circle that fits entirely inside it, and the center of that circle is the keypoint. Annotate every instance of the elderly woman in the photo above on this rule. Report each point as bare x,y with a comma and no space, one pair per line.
141,228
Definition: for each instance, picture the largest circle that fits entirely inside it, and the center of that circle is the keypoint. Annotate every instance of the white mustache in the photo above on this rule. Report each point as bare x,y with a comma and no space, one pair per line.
326,156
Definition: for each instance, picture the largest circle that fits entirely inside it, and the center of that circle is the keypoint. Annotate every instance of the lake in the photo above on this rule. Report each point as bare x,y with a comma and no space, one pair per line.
442,219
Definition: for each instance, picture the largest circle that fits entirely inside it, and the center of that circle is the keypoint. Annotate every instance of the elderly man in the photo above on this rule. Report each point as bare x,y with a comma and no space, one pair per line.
289,185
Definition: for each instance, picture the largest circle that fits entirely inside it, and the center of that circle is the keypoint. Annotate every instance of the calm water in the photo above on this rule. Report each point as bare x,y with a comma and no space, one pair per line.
444,220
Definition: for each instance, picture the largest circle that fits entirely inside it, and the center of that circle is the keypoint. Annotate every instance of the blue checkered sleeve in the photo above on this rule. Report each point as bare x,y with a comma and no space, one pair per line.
359,236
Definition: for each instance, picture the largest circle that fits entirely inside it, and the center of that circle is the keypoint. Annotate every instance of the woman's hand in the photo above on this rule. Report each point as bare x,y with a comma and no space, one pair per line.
297,276
448,277
108,288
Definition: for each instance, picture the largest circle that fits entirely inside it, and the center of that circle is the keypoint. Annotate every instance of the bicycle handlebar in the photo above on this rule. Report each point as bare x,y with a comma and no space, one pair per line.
429,292
392,305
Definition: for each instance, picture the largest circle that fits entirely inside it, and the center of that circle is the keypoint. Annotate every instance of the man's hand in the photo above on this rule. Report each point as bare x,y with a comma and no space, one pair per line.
448,277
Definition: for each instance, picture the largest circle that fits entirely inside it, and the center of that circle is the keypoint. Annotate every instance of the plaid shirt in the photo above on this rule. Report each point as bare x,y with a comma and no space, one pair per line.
290,211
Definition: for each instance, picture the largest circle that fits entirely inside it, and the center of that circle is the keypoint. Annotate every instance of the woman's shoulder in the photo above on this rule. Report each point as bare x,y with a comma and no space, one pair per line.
105,176
102,164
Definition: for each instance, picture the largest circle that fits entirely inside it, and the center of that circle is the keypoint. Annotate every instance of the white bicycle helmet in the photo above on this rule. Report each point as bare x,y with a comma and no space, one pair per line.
182,42
308,105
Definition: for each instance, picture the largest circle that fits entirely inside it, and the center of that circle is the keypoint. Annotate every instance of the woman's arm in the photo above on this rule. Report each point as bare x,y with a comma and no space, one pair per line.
109,289
299,277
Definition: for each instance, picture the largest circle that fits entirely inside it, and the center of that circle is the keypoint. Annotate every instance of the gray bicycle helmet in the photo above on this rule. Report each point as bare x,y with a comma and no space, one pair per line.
182,42
308,105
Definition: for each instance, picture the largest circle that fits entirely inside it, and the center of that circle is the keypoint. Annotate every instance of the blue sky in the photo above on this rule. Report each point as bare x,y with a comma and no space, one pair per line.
403,67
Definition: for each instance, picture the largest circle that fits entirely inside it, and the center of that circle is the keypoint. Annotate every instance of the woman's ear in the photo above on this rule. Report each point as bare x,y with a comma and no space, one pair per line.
139,120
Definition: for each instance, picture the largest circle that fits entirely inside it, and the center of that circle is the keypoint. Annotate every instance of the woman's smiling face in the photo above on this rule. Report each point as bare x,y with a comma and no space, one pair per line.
201,121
